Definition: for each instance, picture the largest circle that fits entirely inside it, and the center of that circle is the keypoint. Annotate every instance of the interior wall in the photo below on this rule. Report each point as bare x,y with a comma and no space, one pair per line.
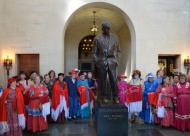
2,41
33,27
124,37
166,31
38,26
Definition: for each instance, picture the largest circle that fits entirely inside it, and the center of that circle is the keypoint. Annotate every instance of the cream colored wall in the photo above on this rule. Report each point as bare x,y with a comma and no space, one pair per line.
124,37
2,39
34,27
160,27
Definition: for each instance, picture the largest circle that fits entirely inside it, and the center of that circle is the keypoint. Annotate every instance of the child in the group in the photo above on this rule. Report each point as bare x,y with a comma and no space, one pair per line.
83,90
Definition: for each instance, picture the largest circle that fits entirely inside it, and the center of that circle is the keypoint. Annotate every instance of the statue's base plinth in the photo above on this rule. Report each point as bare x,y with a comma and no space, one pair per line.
111,119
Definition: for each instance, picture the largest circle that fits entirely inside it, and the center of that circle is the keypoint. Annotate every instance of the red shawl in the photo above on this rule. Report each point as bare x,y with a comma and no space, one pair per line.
153,98
83,97
57,92
26,96
19,105
134,93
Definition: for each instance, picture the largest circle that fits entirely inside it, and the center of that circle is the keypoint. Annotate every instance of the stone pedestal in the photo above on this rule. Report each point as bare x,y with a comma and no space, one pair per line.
111,119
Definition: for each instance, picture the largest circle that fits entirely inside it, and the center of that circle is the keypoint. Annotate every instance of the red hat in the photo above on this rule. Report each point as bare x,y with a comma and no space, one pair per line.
72,72
122,76
12,79
77,70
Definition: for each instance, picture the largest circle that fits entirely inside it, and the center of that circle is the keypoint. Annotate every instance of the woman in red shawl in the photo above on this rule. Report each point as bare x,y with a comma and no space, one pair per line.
182,104
12,119
24,87
60,109
39,107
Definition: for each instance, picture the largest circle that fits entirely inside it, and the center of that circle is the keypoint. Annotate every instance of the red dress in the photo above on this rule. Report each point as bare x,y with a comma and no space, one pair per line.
182,111
36,122
168,116
12,116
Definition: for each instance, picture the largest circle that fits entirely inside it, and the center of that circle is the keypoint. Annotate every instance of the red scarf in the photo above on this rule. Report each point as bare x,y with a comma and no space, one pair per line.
26,95
134,93
57,91
19,105
153,98
83,97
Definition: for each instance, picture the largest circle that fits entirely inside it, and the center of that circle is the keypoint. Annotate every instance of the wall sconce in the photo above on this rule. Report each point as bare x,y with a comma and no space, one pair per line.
8,65
187,64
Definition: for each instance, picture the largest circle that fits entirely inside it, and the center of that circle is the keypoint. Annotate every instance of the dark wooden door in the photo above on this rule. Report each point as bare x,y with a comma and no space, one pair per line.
28,63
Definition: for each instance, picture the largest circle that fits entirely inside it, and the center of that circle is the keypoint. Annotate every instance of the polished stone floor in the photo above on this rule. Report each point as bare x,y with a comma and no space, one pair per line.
86,127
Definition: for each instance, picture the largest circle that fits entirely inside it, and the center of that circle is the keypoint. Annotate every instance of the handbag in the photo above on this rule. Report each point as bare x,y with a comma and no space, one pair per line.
161,108
170,105
161,111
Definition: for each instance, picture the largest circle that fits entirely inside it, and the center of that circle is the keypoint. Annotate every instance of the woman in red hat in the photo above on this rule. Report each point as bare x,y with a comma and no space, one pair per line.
77,73
12,115
39,106
135,88
73,94
122,88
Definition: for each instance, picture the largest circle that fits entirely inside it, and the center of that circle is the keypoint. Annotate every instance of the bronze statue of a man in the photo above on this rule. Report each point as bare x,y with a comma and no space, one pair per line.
106,52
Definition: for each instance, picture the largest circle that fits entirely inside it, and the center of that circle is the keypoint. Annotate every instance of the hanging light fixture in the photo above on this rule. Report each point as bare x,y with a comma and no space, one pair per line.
94,27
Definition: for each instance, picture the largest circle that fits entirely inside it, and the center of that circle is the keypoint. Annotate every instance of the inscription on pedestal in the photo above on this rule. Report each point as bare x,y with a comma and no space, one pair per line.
111,120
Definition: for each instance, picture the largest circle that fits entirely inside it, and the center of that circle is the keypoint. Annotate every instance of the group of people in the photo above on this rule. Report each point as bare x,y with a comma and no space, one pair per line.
158,100
33,103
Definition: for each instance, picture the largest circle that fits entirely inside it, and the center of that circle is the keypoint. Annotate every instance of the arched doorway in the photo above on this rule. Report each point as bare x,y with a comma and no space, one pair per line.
78,26
85,58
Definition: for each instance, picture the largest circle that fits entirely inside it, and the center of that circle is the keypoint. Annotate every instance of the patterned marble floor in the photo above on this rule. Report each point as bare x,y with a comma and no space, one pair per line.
86,127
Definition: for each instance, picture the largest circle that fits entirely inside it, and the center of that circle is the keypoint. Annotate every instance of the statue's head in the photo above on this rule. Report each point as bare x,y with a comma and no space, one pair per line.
106,27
